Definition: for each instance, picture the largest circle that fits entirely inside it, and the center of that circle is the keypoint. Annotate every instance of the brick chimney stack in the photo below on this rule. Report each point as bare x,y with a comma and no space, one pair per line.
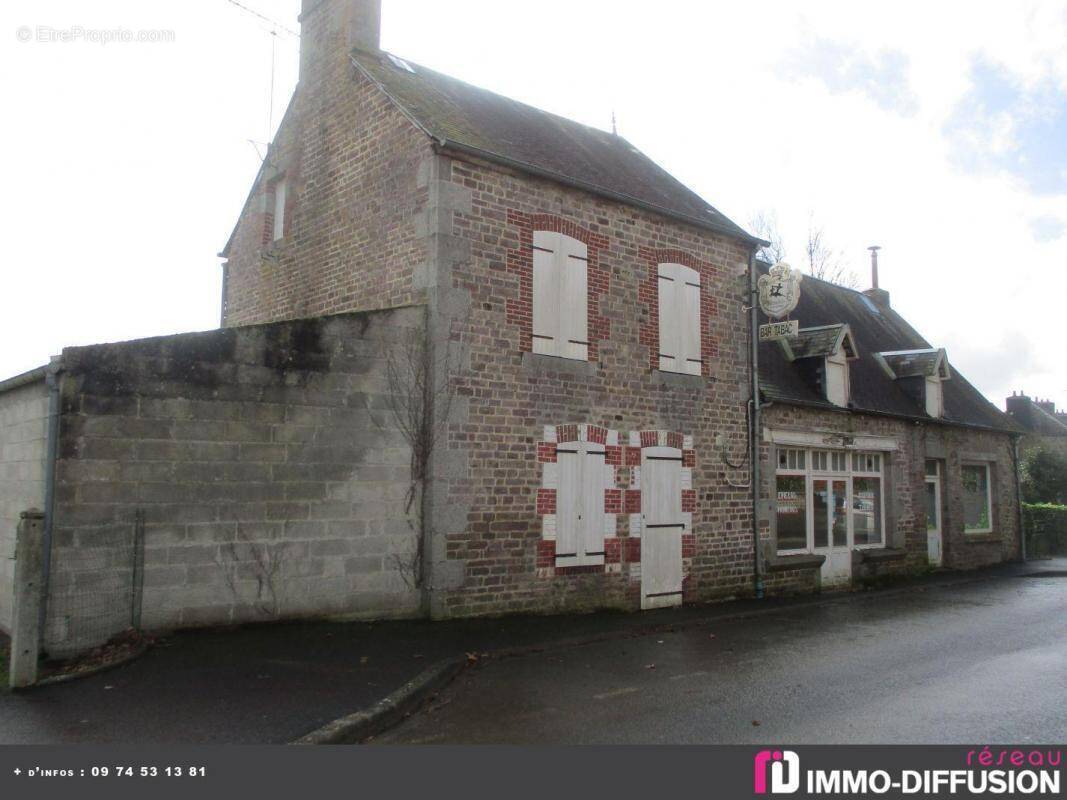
330,29
875,293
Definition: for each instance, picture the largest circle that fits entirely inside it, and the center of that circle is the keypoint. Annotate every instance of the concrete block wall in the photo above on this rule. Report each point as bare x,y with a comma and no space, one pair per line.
23,437
268,468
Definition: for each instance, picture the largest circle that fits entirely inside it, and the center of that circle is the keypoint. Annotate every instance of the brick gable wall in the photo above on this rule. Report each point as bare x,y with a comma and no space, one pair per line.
510,397
351,242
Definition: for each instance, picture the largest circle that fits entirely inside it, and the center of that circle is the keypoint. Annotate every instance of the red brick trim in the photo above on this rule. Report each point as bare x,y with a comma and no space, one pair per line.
612,551
689,545
546,452
689,458
633,550
613,455
583,569
633,501
546,553
566,433
633,456
520,263
648,294
546,502
613,501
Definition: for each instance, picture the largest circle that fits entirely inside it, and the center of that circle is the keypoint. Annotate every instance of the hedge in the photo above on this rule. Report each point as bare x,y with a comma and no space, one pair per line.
1046,528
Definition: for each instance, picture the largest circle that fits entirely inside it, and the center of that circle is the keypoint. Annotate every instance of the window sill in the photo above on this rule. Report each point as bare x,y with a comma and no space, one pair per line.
784,563
877,553
681,380
540,364
980,537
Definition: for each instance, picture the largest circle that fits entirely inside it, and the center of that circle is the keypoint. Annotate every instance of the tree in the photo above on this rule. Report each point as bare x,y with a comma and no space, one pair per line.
821,259
824,262
1044,476
764,224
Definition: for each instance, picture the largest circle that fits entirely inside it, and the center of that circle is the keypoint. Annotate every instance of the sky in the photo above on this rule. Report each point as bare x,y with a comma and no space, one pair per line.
935,130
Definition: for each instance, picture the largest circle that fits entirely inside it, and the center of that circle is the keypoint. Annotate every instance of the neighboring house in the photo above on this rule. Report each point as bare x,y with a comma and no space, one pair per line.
879,456
1045,426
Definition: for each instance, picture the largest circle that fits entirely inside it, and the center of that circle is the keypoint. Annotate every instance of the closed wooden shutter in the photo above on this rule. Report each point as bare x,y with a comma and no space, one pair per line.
679,319
279,208
689,316
580,504
546,293
837,380
661,535
560,296
568,504
574,268
670,344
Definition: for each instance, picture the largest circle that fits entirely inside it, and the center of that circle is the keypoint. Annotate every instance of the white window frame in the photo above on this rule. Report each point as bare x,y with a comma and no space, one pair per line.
988,496
856,466
680,348
560,313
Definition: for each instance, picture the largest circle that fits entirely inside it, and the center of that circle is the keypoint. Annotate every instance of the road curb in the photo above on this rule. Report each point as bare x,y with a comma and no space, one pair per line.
391,709
67,677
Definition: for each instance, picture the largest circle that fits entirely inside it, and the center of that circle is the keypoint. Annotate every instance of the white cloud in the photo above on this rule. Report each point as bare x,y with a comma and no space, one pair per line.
134,161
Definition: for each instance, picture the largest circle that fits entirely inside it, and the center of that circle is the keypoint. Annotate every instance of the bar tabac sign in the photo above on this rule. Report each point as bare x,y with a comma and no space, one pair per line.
779,293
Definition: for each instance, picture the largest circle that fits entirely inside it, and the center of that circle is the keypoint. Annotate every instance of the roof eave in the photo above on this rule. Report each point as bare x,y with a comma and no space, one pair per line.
446,146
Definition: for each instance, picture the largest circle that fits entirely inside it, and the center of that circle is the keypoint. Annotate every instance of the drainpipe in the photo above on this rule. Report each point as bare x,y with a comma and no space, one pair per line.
52,445
754,430
1019,496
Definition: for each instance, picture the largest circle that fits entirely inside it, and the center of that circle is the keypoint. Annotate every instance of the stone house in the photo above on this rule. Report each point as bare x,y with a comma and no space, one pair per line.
1045,426
878,456
575,327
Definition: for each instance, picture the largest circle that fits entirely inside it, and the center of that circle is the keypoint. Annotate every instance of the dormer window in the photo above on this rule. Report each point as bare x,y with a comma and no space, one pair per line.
921,374
823,354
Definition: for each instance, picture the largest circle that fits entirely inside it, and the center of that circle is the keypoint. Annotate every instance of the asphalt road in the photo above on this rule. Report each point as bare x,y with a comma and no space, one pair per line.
974,662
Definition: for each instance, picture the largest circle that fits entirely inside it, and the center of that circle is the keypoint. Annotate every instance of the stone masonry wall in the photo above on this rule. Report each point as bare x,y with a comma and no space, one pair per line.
23,437
489,549
265,463
350,160
905,485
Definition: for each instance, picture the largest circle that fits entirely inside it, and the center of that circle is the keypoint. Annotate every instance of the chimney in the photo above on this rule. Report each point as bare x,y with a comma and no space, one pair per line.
1018,406
330,29
879,296
1046,405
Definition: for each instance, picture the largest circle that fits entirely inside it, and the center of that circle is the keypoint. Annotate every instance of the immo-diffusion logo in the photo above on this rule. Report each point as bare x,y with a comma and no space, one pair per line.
784,769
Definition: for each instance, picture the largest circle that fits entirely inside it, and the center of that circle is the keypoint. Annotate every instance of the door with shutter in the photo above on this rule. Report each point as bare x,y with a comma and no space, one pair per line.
580,504
662,528
560,296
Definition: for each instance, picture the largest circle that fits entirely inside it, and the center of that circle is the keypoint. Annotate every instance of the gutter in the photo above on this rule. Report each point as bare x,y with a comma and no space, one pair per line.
754,432
32,376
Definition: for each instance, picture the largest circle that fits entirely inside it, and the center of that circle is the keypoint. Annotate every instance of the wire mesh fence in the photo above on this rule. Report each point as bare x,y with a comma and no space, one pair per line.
94,587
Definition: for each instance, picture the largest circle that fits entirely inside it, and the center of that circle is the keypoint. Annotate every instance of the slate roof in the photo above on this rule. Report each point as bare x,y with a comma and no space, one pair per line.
921,363
1035,419
479,122
874,330
816,342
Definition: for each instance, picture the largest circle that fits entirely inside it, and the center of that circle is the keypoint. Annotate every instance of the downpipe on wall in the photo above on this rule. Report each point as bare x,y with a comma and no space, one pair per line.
52,380
754,423
1020,518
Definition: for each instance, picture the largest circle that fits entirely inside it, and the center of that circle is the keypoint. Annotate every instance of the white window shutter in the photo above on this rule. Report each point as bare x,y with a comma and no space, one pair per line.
573,267
546,293
837,379
593,504
688,286
670,340
661,487
568,504
933,397
279,208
